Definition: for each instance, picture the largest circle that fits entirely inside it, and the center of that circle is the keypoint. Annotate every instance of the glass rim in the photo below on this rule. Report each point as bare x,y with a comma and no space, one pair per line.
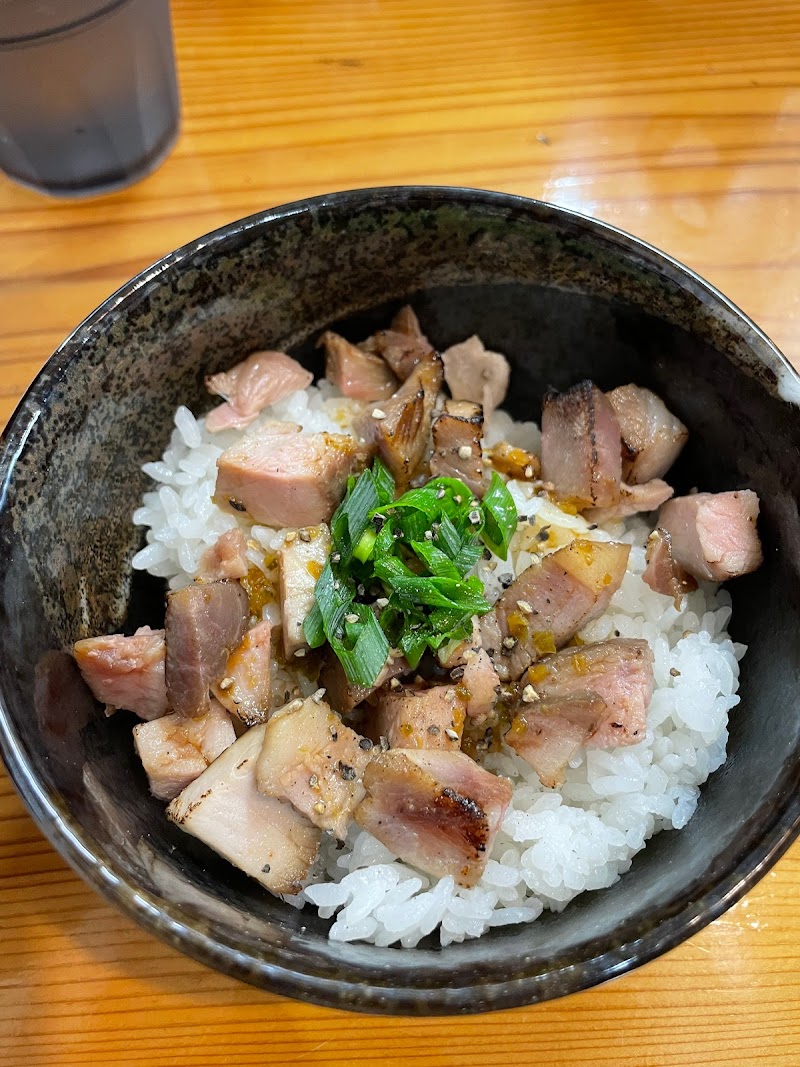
63,27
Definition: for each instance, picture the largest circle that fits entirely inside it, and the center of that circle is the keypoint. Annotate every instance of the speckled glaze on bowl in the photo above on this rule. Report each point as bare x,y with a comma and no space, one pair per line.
566,297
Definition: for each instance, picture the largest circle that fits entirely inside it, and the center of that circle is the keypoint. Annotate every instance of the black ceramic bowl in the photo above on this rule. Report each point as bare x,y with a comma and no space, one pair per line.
566,297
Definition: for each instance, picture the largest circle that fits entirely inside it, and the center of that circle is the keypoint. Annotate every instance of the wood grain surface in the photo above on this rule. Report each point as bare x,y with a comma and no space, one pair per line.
678,121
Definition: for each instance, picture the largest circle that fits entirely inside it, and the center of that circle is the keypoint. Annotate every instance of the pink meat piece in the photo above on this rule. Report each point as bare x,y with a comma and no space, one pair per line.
581,446
126,672
288,479
619,671
547,736
175,750
203,625
550,601
356,373
435,809
262,379
474,373
414,717
226,558
633,499
457,433
479,685
344,695
714,535
402,346
310,758
245,689
662,573
406,321
652,437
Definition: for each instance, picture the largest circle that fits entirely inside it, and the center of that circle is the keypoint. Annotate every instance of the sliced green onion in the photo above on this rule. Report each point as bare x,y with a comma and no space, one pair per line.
366,544
438,563
500,517
364,662
384,482
314,628
358,506
413,555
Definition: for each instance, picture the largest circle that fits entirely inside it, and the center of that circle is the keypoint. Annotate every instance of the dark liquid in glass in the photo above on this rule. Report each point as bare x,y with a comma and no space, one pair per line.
88,93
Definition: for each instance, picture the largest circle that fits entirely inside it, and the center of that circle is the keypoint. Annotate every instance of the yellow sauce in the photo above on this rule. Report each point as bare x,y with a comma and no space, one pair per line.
543,642
258,588
586,550
517,625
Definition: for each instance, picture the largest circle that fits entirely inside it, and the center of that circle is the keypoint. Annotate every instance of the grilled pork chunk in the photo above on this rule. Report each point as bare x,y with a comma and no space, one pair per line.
288,479
434,809
175,750
457,433
652,437
264,837
310,758
549,602
475,374
713,535
581,446
126,672
203,625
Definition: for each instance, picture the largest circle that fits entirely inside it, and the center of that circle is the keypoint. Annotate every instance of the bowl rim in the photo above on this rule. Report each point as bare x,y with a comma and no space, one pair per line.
727,885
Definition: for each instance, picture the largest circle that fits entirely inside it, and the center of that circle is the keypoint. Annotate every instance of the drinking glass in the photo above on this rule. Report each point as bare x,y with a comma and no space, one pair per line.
88,93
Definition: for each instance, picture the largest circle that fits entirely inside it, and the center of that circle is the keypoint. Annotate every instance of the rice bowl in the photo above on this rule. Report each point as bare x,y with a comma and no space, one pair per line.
607,305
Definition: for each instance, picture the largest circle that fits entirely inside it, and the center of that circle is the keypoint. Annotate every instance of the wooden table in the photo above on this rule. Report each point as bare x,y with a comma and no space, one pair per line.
678,121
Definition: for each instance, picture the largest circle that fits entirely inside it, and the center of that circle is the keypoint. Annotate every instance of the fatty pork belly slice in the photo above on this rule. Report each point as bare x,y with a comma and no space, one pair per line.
175,750
713,535
547,735
457,433
226,558
652,437
356,373
126,672
619,671
662,573
260,835
550,601
203,625
344,695
244,690
437,810
633,499
310,758
287,479
300,562
581,446
400,427
262,379
413,717
475,374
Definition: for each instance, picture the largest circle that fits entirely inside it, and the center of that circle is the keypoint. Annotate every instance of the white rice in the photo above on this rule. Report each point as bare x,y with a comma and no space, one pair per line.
553,844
